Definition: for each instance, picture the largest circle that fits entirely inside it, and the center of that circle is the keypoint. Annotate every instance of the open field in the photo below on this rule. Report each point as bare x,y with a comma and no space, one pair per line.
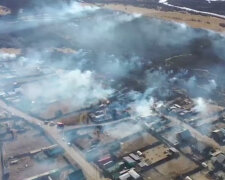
4,11
153,174
195,21
200,176
28,167
10,51
137,142
28,141
176,167
138,79
156,154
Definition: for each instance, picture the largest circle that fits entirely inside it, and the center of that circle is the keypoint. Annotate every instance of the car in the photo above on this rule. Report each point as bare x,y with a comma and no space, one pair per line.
60,125
46,122
51,123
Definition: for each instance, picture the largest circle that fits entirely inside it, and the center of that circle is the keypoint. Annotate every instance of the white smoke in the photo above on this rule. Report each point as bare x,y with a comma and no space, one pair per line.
143,107
201,107
6,56
46,15
80,87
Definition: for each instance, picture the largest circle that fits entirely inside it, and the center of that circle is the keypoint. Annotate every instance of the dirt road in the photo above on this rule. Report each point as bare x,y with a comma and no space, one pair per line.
197,134
73,154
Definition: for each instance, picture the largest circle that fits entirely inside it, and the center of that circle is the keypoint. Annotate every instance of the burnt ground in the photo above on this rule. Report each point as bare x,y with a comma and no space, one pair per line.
217,7
15,5
201,5
141,45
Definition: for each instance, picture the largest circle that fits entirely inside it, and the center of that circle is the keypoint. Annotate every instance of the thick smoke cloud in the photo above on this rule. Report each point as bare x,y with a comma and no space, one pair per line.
6,56
123,49
86,54
201,107
81,86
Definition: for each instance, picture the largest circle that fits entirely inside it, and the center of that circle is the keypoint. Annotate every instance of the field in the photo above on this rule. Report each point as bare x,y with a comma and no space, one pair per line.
195,21
170,169
29,167
200,176
176,167
137,142
25,142
10,51
156,154
4,11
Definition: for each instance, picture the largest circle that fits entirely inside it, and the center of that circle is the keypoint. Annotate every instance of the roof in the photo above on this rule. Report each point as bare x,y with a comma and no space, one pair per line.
76,175
105,159
142,164
3,130
201,147
128,159
113,168
124,176
174,150
220,158
220,133
185,135
134,174
135,157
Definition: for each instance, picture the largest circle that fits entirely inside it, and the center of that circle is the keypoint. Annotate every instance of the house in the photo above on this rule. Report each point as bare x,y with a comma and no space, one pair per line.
130,162
219,161
201,148
185,137
76,175
105,159
134,174
125,176
219,135
135,157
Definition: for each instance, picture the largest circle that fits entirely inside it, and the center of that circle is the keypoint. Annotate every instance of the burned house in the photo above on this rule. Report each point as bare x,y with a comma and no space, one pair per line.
76,175
3,130
129,161
219,161
219,135
185,137
202,149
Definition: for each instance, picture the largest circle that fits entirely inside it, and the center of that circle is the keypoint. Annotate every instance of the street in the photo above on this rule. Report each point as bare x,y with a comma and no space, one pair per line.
73,154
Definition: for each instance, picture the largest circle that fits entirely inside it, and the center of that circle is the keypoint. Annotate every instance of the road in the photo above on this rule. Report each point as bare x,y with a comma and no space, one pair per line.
192,10
72,153
197,134
68,128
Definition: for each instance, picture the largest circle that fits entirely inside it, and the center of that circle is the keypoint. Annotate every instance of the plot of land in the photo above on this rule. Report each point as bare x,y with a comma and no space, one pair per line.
200,176
176,167
4,11
137,142
28,141
196,21
156,154
28,167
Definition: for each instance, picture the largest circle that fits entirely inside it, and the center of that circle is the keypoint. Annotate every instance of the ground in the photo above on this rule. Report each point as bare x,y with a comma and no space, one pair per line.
4,11
25,142
10,51
28,167
195,21
176,167
153,174
200,176
137,142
